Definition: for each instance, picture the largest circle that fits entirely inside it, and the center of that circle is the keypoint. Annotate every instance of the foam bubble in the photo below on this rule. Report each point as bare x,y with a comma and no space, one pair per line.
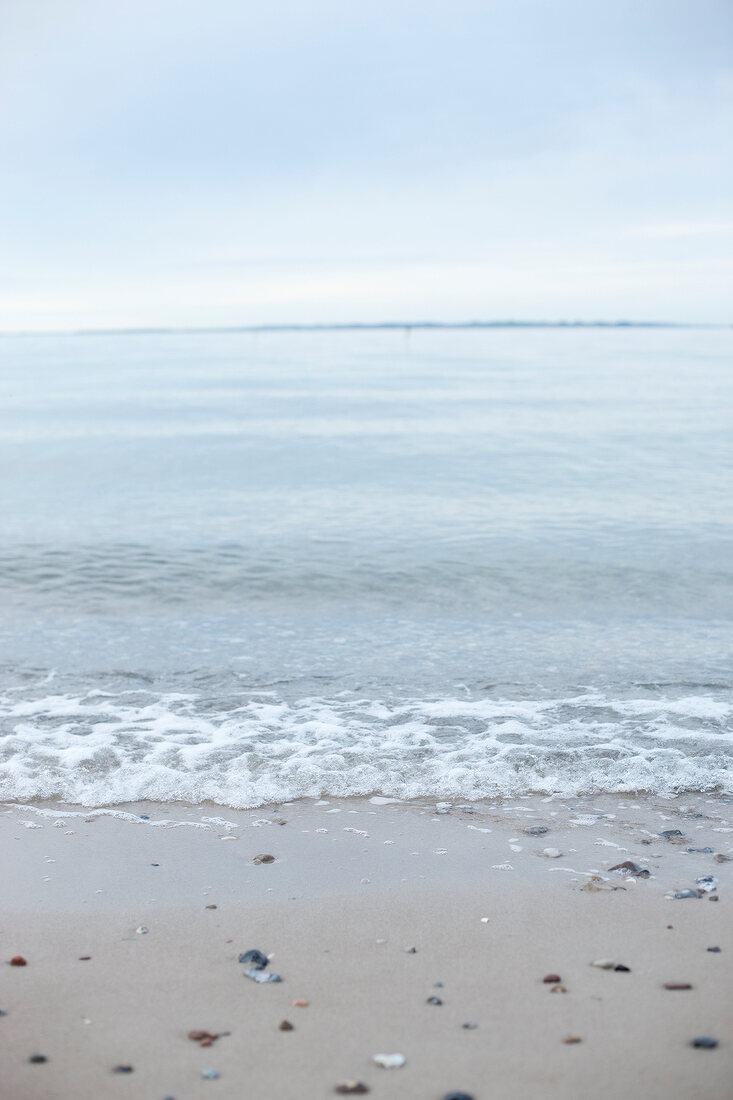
98,750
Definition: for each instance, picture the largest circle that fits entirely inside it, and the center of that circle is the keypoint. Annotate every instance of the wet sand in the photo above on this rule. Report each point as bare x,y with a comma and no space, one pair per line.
352,886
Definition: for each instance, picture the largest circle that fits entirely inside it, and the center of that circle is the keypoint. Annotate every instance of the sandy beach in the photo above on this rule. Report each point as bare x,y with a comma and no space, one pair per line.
132,921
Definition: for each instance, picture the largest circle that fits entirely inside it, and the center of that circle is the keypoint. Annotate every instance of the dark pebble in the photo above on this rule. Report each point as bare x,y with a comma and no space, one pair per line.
285,1025
18,960
3,1012
537,830
622,969
670,834
256,959
210,907
84,958
469,1026
720,858
351,1088
263,859
155,865
144,817
37,1059
122,1069
434,1001
457,1096
705,1041
715,950
437,985
550,979
629,868
677,985
701,851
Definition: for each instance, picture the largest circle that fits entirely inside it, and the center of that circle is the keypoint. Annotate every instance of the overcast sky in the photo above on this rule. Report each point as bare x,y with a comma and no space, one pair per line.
234,162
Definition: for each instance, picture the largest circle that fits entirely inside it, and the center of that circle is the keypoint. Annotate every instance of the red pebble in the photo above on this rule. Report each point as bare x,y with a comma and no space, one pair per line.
551,979
18,960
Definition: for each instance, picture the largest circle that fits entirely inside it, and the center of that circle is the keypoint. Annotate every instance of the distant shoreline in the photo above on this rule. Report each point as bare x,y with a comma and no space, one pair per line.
356,326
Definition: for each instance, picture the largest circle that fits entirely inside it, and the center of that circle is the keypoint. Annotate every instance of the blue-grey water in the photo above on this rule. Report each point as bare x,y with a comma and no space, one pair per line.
247,567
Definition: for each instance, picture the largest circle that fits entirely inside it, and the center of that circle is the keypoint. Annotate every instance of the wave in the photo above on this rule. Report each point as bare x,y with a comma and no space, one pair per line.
104,748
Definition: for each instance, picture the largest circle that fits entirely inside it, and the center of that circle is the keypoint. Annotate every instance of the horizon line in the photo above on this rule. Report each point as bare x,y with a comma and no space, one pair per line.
346,326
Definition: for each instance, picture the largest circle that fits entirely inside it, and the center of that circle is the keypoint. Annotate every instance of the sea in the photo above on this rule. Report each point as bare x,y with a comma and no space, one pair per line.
247,567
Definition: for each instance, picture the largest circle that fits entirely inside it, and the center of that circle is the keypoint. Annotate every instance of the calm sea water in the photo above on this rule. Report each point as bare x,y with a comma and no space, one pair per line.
243,568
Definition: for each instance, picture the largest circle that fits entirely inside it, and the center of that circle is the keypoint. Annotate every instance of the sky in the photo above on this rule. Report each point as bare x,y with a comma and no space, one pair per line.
226,162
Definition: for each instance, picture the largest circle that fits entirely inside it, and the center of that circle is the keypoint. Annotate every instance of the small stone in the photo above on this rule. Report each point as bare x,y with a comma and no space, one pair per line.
700,851
84,958
210,907
630,868
141,930
604,964
677,985
621,969
123,1069
351,1088
389,1061
18,960
672,834
300,1004
411,951
3,1012
285,1025
720,858
536,830
263,859
457,1096
572,1039
437,985
713,897
210,1074
715,950
37,1059
558,989
469,1025
551,853
257,959
551,979
261,977
202,1037
705,1041
706,883
434,1001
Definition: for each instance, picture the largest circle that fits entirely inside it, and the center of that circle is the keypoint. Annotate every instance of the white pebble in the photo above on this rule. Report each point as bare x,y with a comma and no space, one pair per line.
389,1061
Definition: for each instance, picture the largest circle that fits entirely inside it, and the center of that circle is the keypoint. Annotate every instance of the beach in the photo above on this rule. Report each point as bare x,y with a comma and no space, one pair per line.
132,920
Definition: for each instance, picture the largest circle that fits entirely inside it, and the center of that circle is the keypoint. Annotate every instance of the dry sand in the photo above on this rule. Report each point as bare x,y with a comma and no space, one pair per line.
353,885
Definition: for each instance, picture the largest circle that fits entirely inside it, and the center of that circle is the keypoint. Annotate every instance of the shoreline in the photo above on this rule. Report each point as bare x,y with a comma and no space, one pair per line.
353,884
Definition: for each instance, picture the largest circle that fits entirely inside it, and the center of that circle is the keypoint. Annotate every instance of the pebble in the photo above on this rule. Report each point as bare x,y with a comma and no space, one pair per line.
84,958
621,969
630,868
715,950
572,1039
411,950
551,853
537,830
434,1001
300,1004
604,964
558,989
672,834
351,1088
720,858
257,959
701,851
37,1059
469,1026
3,1012
123,1069
18,960
551,979
677,985
285,1025
210,1074
209,907
706,883
705,1041
205,1038
680,894
260,976
265,858
389,1061
141,930
457,1096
